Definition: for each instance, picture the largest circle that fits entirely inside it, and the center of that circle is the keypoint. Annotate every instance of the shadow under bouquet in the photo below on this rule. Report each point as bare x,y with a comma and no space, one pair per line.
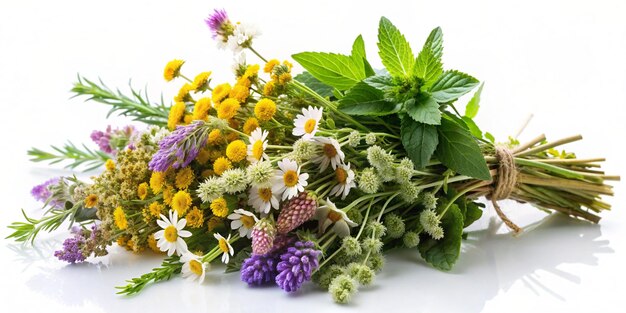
310,177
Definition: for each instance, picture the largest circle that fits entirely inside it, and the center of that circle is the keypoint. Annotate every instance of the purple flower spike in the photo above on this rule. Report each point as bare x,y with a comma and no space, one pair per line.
259,269
180,147
112,140
72,248
216,22
42,192
296,265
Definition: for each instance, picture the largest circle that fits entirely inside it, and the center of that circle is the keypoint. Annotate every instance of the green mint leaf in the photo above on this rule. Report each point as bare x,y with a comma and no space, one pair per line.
358,54
451,85
381,82
472,214
336,70
473,128
459,151
395,52
313,83
419,140
471,109
423,109
490,137
363,99
435,42
443,253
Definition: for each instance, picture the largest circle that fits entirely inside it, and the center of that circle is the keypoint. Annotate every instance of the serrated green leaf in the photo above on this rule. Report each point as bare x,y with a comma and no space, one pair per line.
459,151
381,82
313,83
451,85
336,70
471,109
443,253
419,140
435,42
363,99
359,55
395,52
423,109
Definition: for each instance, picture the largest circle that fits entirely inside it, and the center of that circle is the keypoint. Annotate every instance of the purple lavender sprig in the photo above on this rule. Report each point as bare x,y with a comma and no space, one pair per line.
42,192
113,140
180,147
259,269
81,245
296,265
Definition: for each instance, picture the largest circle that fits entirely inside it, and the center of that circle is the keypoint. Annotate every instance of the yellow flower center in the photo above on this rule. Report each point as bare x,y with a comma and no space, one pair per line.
236,150
247,221
291,178
330,151
257,149
309,126
171,233
223,244
265,194
334,216
341,175
195,267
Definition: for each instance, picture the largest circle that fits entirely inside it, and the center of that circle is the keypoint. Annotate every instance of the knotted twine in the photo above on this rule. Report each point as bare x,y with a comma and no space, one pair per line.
504,184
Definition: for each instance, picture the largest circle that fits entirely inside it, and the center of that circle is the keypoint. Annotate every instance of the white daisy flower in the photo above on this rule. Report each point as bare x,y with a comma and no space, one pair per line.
262,199
257,146
170,239
288,181
307,122
244,221
345,181
328,214
225,246
331,153
193,267
242,37
239,61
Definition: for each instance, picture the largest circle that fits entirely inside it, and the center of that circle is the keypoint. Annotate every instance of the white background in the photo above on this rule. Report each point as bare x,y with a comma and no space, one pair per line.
562,61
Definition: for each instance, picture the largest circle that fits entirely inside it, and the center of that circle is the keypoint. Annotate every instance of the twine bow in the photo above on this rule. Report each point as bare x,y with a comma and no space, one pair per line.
504,183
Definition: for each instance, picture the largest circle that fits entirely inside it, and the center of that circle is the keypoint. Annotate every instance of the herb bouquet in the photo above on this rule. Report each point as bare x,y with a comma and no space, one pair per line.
288,179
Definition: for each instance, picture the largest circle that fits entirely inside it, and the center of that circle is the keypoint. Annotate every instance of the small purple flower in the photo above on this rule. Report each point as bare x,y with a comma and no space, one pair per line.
113,140
180,147
217,22
296,265
72,247
42,192
103,139
259,269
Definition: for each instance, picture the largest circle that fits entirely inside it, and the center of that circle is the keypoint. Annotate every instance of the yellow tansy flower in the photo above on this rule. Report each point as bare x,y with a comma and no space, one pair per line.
172,69
152,243
240,92
215,137
220,165
142,191
250,125
200,81
168,194
177,113
201,109
155,209
109,165
183,93
187,119
252,70
184,178
219,93
237,150
181,202
156,182
265,109
269,66
91,201
195,218
120,218
228,109
284,78
122,240
219,207
269,87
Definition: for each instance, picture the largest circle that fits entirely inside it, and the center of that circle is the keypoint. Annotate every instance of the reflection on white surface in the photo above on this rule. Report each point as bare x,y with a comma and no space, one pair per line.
491,263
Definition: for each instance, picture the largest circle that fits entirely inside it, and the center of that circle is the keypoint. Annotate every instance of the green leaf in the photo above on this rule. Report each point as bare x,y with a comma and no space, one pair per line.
473,213
451,85
424,109
381,82
358,54
363,99
490,137
395,52
473,128
419,140
313,83
471,109
459,151
234,265
435,42
443,253
336,70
